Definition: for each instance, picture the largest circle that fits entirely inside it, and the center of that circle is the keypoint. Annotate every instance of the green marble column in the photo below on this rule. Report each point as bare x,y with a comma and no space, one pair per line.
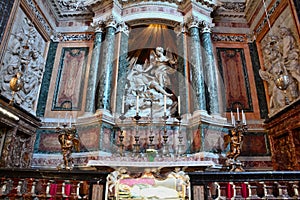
123,63
106,67
210,70
196,66
182,73
90,105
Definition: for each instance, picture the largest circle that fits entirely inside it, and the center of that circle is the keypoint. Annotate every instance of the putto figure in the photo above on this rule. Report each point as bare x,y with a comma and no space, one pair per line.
68,141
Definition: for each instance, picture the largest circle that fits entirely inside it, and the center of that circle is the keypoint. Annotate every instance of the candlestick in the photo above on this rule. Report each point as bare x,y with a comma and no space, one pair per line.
137,104
238,113
70,121
165,103
66,119
233,121
243,117
178,105
58,121
123,101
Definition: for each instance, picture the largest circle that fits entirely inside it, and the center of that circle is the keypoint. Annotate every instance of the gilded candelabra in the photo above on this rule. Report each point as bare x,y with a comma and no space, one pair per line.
235,139
67,137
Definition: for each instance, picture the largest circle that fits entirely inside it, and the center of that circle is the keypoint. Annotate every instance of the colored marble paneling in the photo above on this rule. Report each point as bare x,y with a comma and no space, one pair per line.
232,66
46,142
255,144
42,102
107,139
89,138
263,108
69,84
5,9
214,139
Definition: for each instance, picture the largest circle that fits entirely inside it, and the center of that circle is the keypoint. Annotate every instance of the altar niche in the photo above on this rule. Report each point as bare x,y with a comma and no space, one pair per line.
148,184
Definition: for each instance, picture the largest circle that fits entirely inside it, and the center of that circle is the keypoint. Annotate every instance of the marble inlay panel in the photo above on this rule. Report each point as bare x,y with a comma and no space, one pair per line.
69,84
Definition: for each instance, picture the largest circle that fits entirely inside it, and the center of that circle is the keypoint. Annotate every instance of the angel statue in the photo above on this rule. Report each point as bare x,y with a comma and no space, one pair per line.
164,64
141,76
68,142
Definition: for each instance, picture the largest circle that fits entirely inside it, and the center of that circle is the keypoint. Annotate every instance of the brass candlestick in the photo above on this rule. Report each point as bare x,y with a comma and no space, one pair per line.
136,146
180,138
121,136
165,150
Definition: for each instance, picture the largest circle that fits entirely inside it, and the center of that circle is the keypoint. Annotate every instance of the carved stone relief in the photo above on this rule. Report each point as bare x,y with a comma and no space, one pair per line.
24,54
282,68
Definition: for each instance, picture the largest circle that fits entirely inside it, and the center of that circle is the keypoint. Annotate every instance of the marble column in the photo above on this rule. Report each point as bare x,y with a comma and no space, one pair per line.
210,70
106,67
196,66
182,91
94,68
123,63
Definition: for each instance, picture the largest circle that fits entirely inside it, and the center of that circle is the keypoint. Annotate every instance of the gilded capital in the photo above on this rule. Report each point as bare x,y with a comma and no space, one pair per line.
206,27
193,22
111,22
123,27
98,26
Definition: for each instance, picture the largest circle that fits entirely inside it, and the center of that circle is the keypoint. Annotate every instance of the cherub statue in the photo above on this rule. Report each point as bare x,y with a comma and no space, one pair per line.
68,142
235,139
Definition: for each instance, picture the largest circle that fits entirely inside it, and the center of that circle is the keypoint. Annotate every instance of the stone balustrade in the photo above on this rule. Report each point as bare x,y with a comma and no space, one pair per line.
79,184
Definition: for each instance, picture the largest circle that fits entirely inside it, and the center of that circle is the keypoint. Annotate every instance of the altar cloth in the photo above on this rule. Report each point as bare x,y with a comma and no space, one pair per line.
143,164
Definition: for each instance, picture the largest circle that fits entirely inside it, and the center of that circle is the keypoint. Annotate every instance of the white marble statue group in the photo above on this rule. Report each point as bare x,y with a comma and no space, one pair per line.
150,81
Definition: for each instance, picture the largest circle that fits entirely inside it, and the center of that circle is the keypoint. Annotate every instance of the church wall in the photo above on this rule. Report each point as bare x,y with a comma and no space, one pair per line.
96,136
235,61
277,41
69,80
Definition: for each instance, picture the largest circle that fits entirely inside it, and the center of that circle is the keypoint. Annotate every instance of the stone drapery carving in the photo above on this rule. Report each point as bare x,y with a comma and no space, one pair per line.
282,68
25,55
150,80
